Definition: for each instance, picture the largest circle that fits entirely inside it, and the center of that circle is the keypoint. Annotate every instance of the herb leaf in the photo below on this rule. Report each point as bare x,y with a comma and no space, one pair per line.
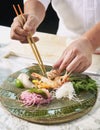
38,91
83,83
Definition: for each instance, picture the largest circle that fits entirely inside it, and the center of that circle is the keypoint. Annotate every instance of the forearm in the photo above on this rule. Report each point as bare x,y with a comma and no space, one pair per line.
36,8
93,35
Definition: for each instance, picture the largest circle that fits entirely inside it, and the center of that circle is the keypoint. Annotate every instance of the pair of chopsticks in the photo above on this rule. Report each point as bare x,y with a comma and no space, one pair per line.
32,43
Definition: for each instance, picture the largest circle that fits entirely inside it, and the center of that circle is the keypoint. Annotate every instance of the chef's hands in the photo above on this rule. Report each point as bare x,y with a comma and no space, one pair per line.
20,29
77,57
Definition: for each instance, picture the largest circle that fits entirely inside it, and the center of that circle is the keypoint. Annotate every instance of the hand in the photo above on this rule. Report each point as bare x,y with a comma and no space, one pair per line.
77,57
21,29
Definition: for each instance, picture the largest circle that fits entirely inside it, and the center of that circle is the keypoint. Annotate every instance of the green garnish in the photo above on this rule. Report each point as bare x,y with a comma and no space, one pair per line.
18,83
83,83
38,91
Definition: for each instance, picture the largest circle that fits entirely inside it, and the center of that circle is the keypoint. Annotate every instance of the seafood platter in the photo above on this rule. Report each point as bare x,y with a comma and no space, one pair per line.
51,99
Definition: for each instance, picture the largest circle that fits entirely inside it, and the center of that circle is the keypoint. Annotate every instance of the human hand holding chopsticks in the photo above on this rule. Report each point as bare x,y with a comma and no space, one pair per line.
20,29
31,41
34,13
72,58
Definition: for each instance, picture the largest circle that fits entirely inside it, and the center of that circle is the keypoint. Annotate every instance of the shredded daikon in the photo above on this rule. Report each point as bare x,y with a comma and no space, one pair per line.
66,90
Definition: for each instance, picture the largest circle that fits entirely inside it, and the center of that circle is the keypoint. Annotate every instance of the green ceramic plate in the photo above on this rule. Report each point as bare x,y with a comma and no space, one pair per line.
58,111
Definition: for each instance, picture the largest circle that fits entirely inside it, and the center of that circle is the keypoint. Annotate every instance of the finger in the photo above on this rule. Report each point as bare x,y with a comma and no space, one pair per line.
18,21
79,68
82,67
15,36
20,31
73,65
67,60
30,30
35,39
59,61
17,28
30,25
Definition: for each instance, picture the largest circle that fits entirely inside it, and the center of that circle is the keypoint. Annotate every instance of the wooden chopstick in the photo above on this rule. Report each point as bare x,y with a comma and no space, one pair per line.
32,43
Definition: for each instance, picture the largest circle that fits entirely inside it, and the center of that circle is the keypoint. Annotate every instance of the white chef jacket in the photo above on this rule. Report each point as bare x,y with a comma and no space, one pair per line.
75,16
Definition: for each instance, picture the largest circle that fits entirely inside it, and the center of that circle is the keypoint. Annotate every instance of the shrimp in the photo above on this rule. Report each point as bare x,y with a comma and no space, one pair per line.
53,73
56,75
48,83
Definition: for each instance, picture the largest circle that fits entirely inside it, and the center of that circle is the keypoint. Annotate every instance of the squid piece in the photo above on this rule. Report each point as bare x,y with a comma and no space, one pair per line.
24,78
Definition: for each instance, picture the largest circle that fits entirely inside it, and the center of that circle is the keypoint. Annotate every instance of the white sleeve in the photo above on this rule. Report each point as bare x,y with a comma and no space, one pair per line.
44,2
